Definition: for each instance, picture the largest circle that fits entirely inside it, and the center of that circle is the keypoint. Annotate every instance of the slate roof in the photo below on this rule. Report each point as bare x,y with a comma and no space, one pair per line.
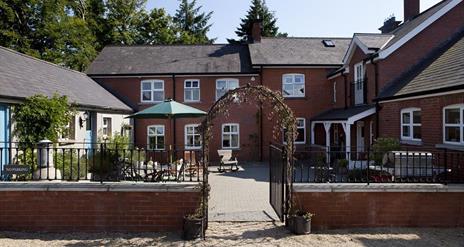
373,41
22,76
341,114
168,59
442,70
298,51
408,26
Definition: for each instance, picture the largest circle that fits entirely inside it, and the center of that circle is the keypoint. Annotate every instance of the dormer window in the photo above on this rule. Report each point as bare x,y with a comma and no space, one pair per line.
328,43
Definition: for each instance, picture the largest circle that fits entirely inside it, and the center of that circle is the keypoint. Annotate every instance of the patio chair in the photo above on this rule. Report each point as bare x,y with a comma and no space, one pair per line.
174,171
192,167
226,160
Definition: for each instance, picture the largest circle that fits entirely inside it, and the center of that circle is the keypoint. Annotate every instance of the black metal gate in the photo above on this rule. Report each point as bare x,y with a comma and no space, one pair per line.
278,180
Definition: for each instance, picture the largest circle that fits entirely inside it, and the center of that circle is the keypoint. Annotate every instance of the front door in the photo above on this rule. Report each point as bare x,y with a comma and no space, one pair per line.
360,136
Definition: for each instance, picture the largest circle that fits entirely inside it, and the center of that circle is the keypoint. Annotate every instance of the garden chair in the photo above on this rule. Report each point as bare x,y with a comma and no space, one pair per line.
226,160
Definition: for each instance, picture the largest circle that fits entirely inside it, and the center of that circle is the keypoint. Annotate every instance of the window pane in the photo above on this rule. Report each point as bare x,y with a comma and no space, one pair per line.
146,86
288,79
189,141
160,142
288,89
195,94
452,116
151,131
188,94
300,137
417,134
221,84
299,79
188,84
406,131
220,92
151,142
195,84
189,130
299,90
406,118
197,140
233,85
158,85
234,128
226,129
226,141
234,141
452,134
159,131
416,117
300,123
158,96
146,96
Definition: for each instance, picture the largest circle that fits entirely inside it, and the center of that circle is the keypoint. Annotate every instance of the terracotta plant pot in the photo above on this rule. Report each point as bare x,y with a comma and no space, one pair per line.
301,225
192,228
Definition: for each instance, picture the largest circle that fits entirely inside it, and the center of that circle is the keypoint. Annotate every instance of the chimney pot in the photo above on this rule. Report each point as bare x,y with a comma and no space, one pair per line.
411,9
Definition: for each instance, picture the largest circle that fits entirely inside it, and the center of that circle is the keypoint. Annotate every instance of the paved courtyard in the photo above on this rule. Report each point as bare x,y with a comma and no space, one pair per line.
242,195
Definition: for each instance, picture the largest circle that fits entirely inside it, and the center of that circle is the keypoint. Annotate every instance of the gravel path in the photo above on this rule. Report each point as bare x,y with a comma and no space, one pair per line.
249,234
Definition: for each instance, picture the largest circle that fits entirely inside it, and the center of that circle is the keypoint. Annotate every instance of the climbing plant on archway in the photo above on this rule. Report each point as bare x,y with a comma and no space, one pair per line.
279,112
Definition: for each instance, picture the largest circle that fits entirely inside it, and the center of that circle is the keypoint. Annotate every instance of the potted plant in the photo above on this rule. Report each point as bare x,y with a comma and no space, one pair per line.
301,222
193,223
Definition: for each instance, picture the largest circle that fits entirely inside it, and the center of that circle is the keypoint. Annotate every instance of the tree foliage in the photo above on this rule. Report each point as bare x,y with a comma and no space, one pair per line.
258,11
40,117
71,32
193,24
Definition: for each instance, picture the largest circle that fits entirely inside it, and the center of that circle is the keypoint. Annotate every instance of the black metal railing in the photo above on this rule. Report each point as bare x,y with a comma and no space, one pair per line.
102,162
322,166
358,92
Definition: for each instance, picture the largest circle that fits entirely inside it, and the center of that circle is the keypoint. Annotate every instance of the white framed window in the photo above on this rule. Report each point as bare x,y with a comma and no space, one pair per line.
191,90
411,124
293,85
453,124
359,83
224,85
69,131
301,129
230,135
107,127
152,91
156,138
192,137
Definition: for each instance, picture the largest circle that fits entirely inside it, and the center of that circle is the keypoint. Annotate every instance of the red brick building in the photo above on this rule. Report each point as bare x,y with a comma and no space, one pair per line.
338,88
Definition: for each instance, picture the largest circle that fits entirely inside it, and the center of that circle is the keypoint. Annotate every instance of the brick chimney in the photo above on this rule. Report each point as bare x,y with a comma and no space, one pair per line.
256,29
411,9
390,24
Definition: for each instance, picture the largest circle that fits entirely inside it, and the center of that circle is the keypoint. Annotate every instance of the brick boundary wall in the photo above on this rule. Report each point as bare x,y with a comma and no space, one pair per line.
360,208
95,209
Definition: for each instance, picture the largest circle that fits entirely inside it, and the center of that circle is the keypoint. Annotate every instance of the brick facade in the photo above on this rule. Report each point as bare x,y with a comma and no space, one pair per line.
71,211
383,209
431,118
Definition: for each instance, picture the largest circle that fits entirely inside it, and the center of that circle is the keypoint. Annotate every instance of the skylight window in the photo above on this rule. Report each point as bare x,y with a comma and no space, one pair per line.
328,43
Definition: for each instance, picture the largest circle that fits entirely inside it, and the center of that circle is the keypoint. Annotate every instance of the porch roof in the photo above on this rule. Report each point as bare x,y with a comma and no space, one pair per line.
349,114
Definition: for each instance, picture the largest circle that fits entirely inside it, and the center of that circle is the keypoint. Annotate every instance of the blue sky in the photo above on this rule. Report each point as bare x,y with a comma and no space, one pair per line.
302,18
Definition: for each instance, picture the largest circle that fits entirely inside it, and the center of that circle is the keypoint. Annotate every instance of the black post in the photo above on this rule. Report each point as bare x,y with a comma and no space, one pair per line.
101,162
446,165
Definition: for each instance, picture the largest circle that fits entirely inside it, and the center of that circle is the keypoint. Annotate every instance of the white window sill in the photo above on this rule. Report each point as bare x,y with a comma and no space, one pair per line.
412,142
454,147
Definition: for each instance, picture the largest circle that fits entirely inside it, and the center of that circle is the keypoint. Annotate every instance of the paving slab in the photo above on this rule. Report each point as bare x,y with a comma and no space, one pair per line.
242,195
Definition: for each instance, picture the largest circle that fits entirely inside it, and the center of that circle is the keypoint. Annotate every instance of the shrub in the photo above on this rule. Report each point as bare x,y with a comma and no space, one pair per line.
383,146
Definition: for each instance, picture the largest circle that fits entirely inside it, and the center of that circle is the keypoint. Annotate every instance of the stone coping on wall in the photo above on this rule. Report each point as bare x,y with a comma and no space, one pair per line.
380,187
100,187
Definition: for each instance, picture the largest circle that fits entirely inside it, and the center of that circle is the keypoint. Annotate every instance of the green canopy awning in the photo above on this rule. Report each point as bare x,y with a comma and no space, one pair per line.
169,109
